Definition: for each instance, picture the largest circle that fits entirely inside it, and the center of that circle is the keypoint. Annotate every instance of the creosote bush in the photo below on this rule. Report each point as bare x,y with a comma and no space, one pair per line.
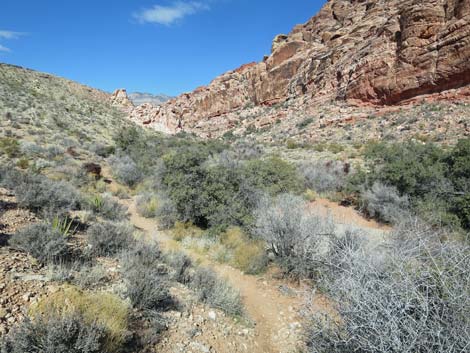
109,238
43,242
427,174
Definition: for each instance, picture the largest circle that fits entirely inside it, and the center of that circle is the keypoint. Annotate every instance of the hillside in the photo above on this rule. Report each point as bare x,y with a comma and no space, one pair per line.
38,108
353,60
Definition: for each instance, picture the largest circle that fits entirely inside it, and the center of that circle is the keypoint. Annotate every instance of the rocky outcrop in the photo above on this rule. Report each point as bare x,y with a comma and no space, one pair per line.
377,52
120,99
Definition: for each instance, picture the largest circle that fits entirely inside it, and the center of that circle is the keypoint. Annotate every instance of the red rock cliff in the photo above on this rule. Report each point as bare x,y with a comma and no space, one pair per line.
373,51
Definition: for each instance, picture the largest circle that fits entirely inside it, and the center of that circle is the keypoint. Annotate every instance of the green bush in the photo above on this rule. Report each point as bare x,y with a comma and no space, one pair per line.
272,175
437,181
10,147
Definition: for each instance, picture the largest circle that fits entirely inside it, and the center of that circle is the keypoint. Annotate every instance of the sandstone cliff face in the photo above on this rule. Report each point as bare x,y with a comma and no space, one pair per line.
378,52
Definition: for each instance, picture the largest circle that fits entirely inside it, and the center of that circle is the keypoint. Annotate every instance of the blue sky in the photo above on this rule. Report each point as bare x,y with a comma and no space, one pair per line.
167,46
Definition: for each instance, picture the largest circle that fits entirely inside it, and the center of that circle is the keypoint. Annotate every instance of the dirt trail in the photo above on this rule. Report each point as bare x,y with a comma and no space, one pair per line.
274,314
273,305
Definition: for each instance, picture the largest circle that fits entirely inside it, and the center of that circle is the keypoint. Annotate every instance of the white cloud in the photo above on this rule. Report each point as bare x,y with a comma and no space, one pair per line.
10,34
4,49
167,15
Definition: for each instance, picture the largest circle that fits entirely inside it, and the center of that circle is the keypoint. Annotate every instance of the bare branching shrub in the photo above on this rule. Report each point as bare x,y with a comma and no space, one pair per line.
325,176
109,238
216,292
125,170
296,237
69,334
385,203
43,242
410,297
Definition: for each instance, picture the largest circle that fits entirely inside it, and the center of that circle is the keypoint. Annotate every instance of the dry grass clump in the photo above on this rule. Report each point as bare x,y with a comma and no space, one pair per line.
99,308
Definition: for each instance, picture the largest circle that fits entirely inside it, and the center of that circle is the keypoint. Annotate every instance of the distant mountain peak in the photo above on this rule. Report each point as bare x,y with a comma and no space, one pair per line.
139,98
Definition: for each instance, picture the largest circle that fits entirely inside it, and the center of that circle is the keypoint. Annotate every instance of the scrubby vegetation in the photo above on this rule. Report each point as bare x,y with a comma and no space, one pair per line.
435,180
411,297
216,292
56,334
109,238
235,204
43,242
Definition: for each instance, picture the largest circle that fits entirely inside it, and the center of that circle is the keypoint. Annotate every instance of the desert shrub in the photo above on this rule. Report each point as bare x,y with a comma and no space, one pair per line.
147,205
295,236
247,254
181,265
125,169
412,297
414,169
166,213
272,175
42,195
10,147
324,176
148,290
56,334
184,230
101,309
127,137
141,256
384,203
205,195
106,207
216,292
304,123
425,172
146,280
43,242
109,238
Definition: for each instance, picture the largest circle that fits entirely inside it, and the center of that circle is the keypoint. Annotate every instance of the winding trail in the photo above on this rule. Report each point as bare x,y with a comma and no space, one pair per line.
276,314
272,312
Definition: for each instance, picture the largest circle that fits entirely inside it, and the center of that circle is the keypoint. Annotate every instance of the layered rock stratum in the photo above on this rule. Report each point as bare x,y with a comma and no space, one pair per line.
368,53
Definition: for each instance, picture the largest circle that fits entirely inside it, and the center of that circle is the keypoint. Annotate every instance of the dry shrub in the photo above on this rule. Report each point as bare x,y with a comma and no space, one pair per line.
185,230
247,255
99,308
